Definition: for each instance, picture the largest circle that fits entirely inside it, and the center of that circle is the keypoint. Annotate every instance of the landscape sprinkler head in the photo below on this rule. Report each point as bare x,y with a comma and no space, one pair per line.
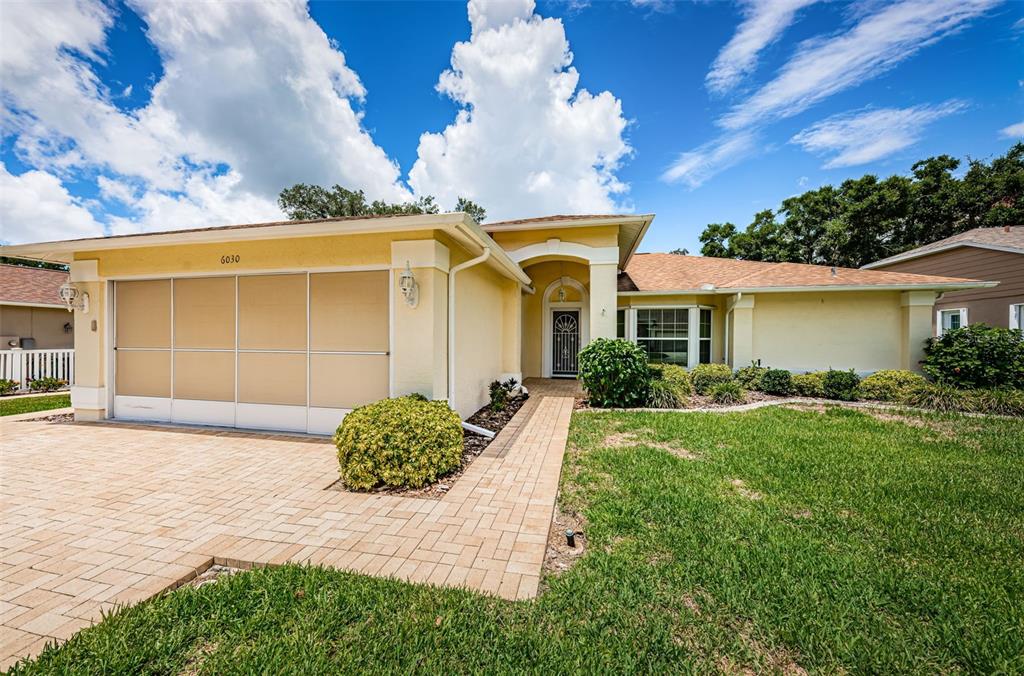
570,537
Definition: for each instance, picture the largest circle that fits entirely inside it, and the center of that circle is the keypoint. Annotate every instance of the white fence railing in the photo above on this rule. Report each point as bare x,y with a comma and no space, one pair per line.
24,366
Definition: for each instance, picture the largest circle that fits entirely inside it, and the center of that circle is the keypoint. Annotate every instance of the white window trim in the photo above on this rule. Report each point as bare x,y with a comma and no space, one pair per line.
693,322
938,318
1016,322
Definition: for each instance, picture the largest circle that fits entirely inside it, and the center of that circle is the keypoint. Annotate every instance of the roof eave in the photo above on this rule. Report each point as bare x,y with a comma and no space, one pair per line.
948,286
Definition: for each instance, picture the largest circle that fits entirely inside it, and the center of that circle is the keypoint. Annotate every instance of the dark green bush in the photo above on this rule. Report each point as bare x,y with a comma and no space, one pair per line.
46,384
976,356
729,392
750,376
706,376
777,381
670,386
841,385
7,386
614,373
398,442
889,385
809,384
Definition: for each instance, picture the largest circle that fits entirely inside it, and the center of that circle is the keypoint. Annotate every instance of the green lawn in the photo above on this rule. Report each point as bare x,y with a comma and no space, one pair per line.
13,406
825,541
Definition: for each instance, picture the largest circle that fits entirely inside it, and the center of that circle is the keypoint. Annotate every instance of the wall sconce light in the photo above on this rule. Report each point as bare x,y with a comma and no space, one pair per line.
73,298
68,328
409,287
561,294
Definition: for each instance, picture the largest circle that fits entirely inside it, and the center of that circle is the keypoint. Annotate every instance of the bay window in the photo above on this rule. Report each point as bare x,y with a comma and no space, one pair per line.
669,335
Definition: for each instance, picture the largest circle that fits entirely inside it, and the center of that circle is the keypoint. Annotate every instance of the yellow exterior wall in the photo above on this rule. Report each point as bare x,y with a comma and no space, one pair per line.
253,255
45,325
600,236
811,331
481,299
542,275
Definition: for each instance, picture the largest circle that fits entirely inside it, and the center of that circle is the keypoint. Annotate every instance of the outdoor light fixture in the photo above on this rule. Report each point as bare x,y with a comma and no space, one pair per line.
561,294
73,298
410,289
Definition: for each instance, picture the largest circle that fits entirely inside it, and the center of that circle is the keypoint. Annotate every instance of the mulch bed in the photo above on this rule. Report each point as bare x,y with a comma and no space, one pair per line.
472,446
59,418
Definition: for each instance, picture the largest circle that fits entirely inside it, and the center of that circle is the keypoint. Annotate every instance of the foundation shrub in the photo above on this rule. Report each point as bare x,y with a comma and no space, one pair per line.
809,384
705,376
840,385
777,381
670,386
728,392
750,376
7,386
976,355
614,373
890,385
401,442
46,384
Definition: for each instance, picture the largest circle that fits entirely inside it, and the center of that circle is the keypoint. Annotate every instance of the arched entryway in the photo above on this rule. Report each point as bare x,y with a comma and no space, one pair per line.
565,326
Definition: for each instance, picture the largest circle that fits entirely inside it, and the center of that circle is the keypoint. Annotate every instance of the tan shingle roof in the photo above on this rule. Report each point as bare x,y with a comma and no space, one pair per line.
34,286
1007,237
545,219
671,272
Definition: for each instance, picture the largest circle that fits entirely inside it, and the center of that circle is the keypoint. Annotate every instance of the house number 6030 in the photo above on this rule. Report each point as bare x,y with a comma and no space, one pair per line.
230,258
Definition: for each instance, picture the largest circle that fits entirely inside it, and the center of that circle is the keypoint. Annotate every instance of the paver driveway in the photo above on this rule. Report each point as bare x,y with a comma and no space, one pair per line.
105,514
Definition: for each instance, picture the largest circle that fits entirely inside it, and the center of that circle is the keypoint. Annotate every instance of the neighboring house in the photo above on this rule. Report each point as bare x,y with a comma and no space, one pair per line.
289,325
984,253
32,316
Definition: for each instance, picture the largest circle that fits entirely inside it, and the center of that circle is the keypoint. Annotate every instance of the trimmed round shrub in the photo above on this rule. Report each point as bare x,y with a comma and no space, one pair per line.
809,384
777,381
402,442
840,385
729,392
976,356
614,373
750,376
890,385
670,386
7,386
705,376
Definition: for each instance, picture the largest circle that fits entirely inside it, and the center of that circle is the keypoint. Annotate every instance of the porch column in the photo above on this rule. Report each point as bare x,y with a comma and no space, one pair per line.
419,334
603,299
915,326
742,334
89,393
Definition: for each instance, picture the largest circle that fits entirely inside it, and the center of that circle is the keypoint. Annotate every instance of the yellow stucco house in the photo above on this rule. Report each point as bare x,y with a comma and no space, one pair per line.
289,325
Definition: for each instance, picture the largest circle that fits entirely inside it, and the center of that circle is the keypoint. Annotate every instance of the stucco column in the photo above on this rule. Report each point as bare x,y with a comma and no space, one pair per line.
89,393
603,299
512,332
419,333
915,326
742,329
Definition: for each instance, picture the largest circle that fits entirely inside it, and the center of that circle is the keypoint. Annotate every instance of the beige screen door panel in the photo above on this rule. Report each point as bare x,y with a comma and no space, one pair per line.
292,351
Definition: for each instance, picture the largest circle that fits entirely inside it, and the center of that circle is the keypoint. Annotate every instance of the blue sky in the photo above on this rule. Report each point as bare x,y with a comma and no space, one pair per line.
140,117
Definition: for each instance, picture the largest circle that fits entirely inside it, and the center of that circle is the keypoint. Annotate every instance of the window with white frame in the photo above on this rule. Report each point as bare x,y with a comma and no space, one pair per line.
1017,316
949,320
669,335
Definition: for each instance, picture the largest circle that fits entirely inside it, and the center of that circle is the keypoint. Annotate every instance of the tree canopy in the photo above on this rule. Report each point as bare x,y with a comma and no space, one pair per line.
867,218
305,202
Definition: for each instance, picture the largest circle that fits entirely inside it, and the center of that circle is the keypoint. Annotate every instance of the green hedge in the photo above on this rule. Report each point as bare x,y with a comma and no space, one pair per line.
840,385
705,376
809,384
776,381
401,442
614,373
890,385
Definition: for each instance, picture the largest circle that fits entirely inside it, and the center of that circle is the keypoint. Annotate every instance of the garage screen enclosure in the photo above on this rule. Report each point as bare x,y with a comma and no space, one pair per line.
292,351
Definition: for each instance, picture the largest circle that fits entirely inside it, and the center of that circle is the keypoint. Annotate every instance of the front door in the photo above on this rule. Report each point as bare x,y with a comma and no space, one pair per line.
565,342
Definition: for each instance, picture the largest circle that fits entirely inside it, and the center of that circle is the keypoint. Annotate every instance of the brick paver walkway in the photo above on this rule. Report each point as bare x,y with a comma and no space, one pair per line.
99,515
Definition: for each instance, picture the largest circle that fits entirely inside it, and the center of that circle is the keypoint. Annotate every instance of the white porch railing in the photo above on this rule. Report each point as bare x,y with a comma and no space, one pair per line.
24,366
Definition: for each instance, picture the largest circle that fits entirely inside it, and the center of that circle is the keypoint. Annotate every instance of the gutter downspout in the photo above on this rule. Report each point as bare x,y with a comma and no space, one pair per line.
451,318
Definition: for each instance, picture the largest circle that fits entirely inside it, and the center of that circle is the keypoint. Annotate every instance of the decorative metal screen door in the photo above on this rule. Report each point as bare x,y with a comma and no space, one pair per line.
565,342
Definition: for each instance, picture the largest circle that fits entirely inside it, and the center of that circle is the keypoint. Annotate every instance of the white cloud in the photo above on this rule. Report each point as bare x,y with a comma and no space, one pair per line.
35,207
254,87
525,139
694,167
1014,130
868,135
876,43
763,23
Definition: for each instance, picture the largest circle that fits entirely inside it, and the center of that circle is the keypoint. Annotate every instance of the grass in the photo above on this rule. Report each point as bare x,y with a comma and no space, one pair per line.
779,540
16,405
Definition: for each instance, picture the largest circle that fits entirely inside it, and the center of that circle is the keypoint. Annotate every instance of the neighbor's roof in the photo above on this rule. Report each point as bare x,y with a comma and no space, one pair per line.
664,273
1007,238
30,286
